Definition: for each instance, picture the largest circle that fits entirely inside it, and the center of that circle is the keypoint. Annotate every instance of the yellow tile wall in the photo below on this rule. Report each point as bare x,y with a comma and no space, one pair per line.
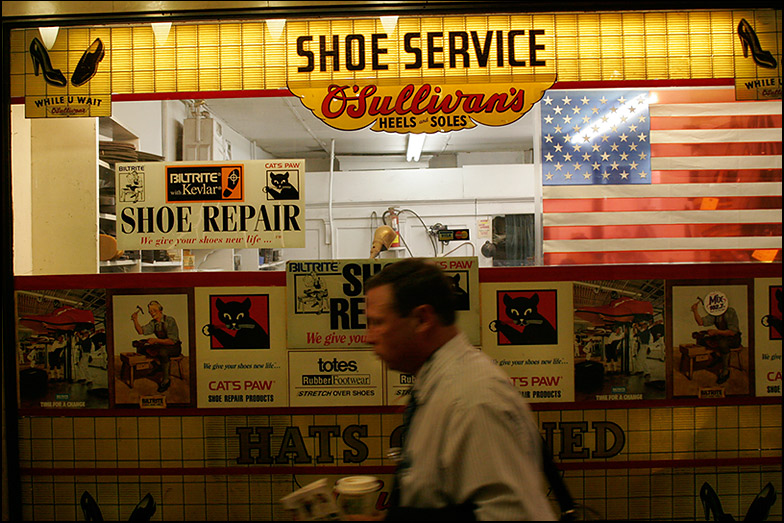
190,444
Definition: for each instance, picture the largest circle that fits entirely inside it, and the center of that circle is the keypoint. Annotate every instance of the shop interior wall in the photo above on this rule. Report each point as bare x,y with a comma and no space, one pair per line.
455,197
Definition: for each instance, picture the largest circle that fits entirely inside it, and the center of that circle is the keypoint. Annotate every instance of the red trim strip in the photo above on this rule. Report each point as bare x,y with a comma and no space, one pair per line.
599,84
184,95
715,122
663,150
152,280
717,176
699,230
671,463
490,274
206,471
664,256
386,469
643,84
723,203
596,272
685,96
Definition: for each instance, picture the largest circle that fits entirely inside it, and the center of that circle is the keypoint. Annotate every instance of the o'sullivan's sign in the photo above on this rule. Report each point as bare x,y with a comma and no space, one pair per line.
423,81
425,108
211,205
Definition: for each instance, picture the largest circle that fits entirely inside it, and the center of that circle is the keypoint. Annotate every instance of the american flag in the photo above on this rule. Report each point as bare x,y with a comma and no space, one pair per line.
660,176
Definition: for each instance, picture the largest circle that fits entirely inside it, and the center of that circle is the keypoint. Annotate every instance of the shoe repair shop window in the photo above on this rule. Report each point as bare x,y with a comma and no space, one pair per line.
513,240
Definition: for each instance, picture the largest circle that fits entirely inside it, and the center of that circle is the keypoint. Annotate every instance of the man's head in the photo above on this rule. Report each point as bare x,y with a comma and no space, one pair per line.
410,313
155,309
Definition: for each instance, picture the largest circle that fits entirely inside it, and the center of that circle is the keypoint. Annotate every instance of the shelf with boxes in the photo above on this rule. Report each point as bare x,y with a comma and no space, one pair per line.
117,145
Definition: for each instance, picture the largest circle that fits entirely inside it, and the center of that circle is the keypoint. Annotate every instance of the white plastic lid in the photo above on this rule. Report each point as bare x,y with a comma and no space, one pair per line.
716,303
357,485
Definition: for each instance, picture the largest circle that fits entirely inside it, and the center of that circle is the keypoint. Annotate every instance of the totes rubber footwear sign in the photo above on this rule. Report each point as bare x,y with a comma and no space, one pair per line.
215,205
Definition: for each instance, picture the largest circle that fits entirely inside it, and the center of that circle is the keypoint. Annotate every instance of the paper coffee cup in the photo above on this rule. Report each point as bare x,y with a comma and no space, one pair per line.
313,502
357,497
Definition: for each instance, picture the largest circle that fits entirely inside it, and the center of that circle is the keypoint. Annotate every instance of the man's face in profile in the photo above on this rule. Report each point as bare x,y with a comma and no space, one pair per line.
393,337
155,311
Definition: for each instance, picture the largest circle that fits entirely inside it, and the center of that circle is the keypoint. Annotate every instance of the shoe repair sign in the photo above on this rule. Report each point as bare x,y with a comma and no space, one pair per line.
326,299
210,205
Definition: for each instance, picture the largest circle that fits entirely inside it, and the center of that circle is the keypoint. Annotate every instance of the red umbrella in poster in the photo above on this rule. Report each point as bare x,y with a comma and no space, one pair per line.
65,318
621,310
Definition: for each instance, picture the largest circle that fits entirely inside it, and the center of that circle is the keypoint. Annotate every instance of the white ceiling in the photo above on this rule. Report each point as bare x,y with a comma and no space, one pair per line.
285,128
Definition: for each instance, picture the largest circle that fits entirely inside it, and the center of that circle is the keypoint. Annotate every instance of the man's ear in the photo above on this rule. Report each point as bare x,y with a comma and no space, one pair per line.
425,315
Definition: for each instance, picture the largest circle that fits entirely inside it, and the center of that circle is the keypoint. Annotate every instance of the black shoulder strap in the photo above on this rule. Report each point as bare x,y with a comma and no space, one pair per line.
565,500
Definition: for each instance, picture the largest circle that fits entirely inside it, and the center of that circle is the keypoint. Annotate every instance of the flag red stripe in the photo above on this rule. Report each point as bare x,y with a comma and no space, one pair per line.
661,150
659,123
694,96
578,205
717,176
687,256
674,230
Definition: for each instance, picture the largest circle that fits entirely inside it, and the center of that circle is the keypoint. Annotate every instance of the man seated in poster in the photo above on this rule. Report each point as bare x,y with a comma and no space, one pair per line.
723,330
164,345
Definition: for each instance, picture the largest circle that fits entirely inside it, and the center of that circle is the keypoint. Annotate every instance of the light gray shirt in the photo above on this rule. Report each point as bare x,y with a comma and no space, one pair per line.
473,439
730,316
168,323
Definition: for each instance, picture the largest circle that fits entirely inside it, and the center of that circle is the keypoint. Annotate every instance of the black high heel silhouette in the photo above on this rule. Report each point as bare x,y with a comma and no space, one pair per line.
749,40
88,63
758,510
144,509
760,507
90,508
711,504
41,60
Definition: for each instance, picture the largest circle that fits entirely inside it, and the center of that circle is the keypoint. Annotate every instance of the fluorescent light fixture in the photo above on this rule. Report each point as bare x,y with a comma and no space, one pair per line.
49,35
415,144
389,23
276,26
161,31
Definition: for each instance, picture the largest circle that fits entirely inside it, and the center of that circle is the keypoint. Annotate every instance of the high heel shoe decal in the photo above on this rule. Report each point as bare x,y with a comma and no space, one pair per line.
711,504
748,38
41,60
88,63
760,507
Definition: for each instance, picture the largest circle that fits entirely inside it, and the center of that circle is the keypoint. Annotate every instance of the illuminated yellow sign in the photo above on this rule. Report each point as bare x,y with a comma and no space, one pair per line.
442,51
758,62
424,77
68,83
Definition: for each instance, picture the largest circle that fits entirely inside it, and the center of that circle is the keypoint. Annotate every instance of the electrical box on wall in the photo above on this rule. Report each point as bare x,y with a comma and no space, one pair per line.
203,139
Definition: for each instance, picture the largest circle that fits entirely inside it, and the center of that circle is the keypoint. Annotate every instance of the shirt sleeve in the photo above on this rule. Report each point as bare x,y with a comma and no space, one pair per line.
495,455
172,332
148,328
733,323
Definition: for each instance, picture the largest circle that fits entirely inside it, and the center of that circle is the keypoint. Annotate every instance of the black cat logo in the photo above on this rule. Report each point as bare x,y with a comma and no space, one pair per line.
280,187
773,321
461,297
522,310
246,333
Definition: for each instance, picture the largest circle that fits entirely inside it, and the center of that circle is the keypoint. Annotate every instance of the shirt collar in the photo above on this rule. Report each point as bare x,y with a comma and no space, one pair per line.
427,376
